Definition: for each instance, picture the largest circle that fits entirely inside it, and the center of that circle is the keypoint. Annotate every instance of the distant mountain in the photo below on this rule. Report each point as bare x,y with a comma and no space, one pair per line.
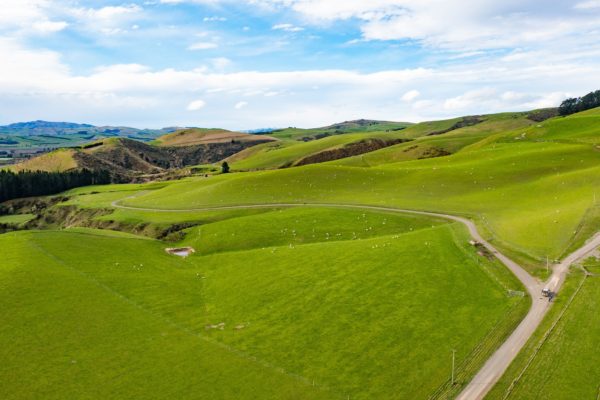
43,125
47,128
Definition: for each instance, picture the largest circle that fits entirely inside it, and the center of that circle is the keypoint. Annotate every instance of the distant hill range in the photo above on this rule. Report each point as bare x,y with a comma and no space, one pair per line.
85,131
131,160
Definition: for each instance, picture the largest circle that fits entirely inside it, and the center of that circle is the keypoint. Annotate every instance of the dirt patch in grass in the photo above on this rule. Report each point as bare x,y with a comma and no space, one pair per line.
434,152
181,251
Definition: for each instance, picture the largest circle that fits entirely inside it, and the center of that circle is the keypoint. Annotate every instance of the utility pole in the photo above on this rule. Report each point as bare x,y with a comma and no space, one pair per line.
453,358
547,265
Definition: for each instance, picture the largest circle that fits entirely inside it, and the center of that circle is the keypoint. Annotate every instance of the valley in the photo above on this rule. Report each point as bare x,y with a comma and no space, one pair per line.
349,276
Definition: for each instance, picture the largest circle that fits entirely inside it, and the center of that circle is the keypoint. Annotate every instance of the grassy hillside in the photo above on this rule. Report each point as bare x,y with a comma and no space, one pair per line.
361,125
288,153
565,364
17,219
129,160
441,138
81,324
55,161
197,136
299,300
533,197
313,302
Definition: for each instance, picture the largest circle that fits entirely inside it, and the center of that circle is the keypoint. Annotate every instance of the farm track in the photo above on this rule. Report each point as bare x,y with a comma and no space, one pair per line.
499,362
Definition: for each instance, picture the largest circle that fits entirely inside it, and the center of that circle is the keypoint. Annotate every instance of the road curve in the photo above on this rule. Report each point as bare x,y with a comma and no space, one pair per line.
497,364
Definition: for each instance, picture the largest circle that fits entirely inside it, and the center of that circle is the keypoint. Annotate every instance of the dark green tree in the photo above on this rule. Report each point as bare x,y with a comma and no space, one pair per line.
575,105
41,183
225,167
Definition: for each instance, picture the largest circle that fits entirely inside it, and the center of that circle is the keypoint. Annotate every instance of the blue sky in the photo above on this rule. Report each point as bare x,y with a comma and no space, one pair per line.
247,64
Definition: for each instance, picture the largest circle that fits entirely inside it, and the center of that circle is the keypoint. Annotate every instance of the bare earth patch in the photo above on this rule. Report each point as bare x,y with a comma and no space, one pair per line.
181,251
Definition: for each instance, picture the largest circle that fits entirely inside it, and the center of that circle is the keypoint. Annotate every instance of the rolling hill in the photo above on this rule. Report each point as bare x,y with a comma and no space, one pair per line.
321,300
128,160
195,136
361,125
56,130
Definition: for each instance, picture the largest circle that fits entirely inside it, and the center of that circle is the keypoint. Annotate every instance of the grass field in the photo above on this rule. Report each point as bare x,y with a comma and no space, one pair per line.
315,302
531,198
351,311
341,128
188,137
286,153
566,363
16,219
450,142
55,161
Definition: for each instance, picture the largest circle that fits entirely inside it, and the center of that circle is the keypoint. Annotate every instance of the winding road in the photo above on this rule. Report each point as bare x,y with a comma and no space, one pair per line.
497,364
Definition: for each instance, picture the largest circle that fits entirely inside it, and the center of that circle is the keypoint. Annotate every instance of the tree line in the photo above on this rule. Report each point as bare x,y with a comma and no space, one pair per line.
579,104
40,183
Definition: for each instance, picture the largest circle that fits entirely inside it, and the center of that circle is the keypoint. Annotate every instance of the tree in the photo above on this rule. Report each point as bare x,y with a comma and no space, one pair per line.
40,183
568,107
575,105
225,167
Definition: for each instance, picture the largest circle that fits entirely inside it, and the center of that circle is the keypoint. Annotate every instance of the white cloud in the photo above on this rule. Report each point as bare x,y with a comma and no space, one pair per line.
49,26
287,28
240,105
196,105
468,99
221,63
587,5
109,20
452,24
214,19
28,16
37,84
411,95
203,46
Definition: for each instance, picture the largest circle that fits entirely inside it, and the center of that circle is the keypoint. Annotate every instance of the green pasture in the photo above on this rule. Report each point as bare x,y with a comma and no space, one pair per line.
365,317
343,128
284,154
564,366
450,142
17,219
528,197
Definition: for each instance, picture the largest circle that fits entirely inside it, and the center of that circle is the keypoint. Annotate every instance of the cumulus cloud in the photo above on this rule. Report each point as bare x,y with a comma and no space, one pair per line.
203,46
411,95
587,5
109,20
196,105
29,16
214,19
144,96
534,71
221,63
453,24
287,28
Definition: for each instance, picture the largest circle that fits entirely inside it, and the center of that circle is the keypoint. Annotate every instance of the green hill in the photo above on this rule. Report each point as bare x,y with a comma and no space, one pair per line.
316,301
278,311
514,188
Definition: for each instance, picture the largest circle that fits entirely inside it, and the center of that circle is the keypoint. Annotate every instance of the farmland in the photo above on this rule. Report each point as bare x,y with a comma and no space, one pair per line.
16,219
276,293
559,362
510,189
317,300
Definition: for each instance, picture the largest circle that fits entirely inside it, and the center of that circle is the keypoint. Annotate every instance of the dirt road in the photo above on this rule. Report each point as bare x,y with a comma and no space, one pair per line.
497,364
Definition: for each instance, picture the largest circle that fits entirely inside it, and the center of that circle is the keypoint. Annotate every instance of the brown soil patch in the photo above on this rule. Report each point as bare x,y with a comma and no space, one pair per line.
181,251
